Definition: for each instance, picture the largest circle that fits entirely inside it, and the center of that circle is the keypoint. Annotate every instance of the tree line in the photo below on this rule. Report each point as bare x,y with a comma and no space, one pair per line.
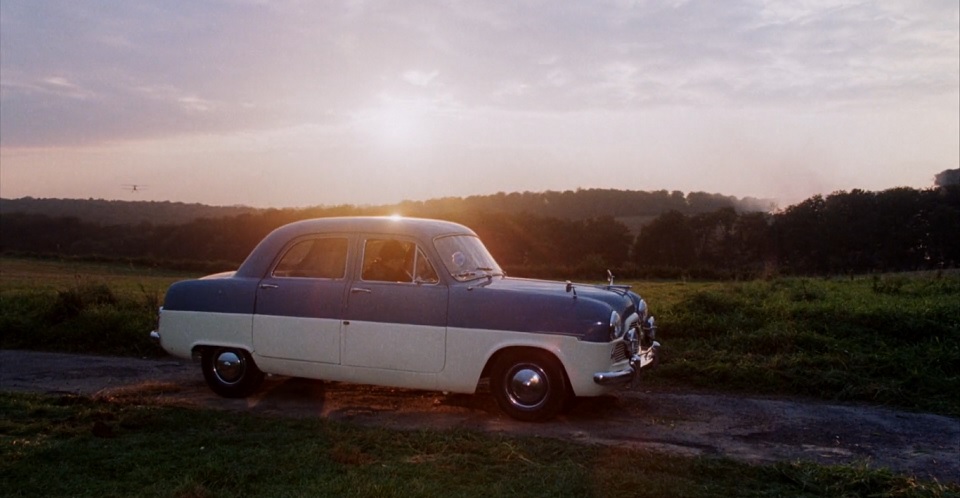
900,229
853,232
569,204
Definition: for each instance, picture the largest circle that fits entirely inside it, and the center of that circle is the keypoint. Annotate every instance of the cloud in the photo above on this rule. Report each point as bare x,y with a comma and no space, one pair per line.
419,78
82,72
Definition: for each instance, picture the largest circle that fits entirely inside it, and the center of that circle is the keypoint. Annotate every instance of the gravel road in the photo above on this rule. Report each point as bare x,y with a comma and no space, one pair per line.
745,428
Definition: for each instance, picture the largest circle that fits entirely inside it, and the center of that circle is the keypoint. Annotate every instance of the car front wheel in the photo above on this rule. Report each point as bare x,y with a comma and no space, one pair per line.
529,386
230,372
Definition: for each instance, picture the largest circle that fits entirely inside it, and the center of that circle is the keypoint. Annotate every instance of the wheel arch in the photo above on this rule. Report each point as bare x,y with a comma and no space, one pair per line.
197,349
520,350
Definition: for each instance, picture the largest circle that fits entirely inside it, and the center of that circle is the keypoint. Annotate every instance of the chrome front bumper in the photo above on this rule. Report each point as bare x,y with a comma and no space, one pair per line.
643,360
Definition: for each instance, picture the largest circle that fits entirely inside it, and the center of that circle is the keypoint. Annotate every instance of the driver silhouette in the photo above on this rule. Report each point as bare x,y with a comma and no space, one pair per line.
390,264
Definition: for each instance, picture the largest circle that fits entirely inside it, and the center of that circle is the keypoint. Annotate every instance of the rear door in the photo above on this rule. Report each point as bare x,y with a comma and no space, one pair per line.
299,304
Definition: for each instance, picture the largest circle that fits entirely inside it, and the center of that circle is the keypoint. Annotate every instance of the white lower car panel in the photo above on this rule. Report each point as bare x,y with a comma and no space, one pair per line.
392,346
180,331
307,339
411,356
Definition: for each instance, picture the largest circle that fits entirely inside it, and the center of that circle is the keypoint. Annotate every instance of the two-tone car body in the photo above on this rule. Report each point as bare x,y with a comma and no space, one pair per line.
405,302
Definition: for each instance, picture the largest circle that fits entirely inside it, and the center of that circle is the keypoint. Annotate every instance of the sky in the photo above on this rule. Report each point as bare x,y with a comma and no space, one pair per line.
295,103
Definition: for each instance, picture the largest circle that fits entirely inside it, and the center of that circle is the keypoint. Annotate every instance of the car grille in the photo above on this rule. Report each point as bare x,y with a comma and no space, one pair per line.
620,352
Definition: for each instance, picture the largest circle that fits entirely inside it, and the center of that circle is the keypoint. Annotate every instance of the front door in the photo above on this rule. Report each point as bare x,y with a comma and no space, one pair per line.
396,313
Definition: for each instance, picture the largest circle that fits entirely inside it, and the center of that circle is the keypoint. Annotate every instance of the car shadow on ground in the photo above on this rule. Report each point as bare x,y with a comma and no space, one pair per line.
345,401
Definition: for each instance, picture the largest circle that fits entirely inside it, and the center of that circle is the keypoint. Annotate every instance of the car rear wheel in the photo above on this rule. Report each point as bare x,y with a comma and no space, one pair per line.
230,372
529,385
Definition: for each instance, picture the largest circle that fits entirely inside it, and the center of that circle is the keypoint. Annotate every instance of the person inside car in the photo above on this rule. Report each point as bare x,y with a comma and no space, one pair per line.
391,264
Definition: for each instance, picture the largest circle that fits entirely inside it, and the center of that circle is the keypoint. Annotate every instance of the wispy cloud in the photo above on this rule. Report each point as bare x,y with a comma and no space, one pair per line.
517,55
499,75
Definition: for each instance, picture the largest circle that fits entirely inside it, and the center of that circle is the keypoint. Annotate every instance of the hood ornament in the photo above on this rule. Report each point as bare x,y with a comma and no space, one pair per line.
571,288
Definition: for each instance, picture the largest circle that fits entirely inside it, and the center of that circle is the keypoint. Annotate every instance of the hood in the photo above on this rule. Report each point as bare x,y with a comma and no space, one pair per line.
539,306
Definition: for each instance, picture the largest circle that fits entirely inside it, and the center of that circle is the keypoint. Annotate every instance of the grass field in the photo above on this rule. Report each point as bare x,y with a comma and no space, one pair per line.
891,339
80,307
77,447
54,275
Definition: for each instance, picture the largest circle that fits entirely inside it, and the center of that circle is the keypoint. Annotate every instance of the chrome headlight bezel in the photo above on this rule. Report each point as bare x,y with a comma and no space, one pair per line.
632,338
642,309
616,325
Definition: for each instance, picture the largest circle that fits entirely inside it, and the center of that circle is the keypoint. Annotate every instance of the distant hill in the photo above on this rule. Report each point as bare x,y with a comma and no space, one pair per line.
107,212
633,208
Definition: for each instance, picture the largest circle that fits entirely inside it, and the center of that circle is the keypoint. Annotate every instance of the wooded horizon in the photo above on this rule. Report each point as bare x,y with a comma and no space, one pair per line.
572,234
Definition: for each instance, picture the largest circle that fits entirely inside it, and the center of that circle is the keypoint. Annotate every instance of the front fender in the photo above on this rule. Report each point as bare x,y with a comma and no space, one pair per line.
470,353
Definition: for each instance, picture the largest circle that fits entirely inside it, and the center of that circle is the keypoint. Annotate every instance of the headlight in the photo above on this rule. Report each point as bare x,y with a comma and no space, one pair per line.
632,338
642,308
616,325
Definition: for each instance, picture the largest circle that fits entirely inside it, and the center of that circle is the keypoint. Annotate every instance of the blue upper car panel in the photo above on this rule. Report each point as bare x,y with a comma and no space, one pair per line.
218,295
538,307
485,303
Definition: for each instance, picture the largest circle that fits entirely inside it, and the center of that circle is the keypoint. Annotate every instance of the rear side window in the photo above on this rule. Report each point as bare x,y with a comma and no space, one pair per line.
314,258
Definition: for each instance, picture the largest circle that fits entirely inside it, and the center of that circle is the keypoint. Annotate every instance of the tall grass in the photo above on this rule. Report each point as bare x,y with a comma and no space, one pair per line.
891,340
83,308
88,319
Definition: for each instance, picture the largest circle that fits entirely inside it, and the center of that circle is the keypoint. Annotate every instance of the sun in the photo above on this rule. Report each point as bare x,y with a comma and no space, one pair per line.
394,123
397,126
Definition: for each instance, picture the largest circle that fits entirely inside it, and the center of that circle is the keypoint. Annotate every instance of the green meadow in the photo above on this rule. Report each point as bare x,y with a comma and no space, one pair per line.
885,339
890,339
83,447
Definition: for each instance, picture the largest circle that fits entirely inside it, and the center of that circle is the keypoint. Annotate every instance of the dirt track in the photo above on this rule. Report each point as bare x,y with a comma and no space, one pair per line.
750,429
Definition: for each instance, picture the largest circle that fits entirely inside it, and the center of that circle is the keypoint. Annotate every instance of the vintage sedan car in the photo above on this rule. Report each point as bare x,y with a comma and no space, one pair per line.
410,303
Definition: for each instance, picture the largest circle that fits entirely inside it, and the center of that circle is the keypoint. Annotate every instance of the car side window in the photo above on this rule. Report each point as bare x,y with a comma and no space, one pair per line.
388,260
314,258
425,274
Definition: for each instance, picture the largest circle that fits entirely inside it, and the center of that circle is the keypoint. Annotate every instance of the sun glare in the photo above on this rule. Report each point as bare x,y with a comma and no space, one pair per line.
394,123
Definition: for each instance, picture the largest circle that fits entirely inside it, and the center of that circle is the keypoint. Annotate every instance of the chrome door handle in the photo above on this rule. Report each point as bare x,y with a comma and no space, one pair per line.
268,286
360,290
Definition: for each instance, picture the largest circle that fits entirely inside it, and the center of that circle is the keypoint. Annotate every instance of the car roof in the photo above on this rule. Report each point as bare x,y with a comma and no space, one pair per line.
425,229
421,227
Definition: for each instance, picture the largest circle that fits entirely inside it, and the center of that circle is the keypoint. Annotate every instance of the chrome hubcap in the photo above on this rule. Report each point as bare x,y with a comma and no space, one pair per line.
228,366
528,386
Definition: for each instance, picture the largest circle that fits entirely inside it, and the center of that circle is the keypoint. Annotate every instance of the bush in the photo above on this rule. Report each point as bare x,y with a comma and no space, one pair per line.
86,318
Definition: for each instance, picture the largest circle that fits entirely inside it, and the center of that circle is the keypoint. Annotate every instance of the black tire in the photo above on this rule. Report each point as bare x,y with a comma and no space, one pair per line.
230,372
529,385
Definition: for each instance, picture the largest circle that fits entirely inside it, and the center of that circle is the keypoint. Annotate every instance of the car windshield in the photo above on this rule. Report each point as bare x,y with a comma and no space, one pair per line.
466,258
